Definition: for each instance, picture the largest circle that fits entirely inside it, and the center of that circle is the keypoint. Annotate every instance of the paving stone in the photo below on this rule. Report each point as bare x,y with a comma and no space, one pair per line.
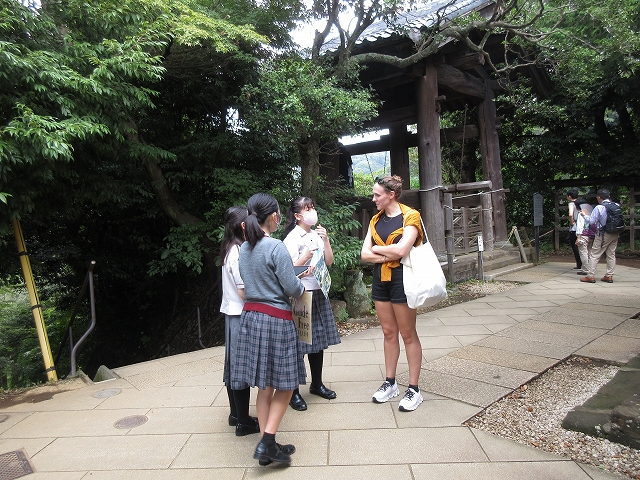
458,388
451,444
588,305
477,370
585,318
628,328
334,472
527,345
551,470
505,358
611,348
549,332
110,453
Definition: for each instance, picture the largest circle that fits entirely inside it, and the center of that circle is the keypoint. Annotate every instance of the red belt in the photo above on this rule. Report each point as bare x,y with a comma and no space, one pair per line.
268,309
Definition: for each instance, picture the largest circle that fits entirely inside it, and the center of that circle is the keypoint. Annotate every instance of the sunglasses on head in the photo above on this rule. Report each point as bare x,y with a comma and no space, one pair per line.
380,181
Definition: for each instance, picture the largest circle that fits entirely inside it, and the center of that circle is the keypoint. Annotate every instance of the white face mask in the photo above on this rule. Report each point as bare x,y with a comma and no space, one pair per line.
310,217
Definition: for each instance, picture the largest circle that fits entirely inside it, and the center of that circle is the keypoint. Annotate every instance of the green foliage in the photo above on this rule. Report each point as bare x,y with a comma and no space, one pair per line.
295,100
21,363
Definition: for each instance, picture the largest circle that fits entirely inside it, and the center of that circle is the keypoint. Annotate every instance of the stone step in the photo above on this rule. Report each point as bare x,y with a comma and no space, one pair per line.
514,267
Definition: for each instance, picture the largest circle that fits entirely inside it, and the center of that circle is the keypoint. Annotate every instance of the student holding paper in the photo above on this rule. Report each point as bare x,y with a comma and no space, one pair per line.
267,351
305,246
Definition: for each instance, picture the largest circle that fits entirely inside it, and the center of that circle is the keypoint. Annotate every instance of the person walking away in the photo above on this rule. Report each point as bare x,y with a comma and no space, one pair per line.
391,234
585,233
572,196
302,243
267,353
604,242
232,303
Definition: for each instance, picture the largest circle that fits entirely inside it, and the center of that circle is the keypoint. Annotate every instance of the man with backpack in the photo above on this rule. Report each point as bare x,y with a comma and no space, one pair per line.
608,218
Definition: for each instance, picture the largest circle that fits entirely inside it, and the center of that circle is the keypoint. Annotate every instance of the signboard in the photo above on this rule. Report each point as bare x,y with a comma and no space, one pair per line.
301,310
537,210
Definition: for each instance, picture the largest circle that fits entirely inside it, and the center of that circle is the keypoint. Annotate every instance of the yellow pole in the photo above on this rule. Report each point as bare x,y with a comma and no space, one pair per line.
36,308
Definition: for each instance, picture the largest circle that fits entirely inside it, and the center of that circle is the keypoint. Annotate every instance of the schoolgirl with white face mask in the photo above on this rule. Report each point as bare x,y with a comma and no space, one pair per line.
302,242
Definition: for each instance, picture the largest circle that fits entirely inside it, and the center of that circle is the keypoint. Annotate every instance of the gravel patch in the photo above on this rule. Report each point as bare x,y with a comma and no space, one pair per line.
462,292
532,415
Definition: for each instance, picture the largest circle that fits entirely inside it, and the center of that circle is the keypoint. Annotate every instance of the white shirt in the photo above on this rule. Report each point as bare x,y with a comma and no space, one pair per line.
296,242
231,282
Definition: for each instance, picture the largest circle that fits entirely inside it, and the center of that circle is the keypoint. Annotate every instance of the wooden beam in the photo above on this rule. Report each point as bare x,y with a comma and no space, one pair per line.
459,81
454,134
466,61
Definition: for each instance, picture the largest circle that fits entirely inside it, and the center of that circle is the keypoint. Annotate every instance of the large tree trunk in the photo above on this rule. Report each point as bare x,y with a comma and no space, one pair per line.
310,166
168,204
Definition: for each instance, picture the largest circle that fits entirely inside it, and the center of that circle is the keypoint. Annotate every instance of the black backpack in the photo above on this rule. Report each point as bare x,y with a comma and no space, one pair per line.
615,221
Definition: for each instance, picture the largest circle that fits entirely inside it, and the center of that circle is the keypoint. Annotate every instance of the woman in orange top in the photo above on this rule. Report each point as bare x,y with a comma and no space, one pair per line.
392,232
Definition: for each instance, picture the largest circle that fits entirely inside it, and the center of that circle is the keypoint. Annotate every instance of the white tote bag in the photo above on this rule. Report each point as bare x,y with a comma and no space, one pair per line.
424,281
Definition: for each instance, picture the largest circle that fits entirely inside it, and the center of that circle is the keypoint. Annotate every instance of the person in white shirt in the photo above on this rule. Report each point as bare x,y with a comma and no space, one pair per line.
232,303
302,243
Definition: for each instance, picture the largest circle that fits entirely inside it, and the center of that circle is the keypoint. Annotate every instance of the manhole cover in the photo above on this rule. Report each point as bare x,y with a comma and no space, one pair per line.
14,465
3,418
109,392
130,422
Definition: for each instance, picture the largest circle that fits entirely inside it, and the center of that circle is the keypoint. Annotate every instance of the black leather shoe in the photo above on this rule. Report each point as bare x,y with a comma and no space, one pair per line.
287,448
247,429
268,454
323,392
297,402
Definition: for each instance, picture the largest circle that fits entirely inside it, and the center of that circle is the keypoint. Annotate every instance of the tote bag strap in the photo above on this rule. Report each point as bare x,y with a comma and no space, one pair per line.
424,230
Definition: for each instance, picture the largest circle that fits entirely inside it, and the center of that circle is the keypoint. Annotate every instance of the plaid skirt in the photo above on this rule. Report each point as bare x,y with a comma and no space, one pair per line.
267,354
324,331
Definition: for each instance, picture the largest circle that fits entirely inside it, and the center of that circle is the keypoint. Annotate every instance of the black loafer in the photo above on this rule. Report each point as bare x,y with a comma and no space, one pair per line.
323,392
247,429
287,448
297,402
269,454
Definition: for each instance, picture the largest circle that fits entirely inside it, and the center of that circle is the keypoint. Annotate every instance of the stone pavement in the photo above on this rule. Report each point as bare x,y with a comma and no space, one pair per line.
167,418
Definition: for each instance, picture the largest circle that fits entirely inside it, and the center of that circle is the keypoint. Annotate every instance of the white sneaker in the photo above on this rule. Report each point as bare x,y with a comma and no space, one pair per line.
386,392
410,401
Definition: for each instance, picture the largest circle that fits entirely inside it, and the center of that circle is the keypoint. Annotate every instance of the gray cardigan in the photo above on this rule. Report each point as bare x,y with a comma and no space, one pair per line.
267,271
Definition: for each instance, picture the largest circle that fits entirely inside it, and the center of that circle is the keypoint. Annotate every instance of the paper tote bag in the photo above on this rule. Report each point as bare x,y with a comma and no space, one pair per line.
424,281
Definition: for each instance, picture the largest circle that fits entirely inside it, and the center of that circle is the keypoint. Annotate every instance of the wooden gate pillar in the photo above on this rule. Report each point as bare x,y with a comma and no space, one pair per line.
491,165
399,153
429,157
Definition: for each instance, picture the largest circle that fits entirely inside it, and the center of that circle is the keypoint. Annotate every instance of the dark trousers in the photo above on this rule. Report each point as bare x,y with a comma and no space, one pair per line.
576,253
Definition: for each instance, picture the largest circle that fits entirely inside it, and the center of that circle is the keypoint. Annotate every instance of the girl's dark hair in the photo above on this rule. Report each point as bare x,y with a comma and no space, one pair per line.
298,205
233,233
260,206
393,183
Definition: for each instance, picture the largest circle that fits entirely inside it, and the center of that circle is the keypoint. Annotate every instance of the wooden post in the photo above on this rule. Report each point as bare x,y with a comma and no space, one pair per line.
487,222
398,153
491,165
632,217
429,157
448,232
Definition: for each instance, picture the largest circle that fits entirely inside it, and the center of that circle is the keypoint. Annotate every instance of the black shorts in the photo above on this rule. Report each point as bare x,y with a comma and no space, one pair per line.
392,291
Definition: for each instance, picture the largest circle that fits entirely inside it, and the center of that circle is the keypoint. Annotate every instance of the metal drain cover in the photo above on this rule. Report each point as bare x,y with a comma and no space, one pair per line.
130,422
109,392
15,465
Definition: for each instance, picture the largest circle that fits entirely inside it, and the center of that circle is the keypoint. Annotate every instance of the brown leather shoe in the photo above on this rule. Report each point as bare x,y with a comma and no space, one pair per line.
588,279
607,278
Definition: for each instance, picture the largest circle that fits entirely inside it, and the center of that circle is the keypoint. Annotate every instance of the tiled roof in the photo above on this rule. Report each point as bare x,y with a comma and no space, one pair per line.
414,20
